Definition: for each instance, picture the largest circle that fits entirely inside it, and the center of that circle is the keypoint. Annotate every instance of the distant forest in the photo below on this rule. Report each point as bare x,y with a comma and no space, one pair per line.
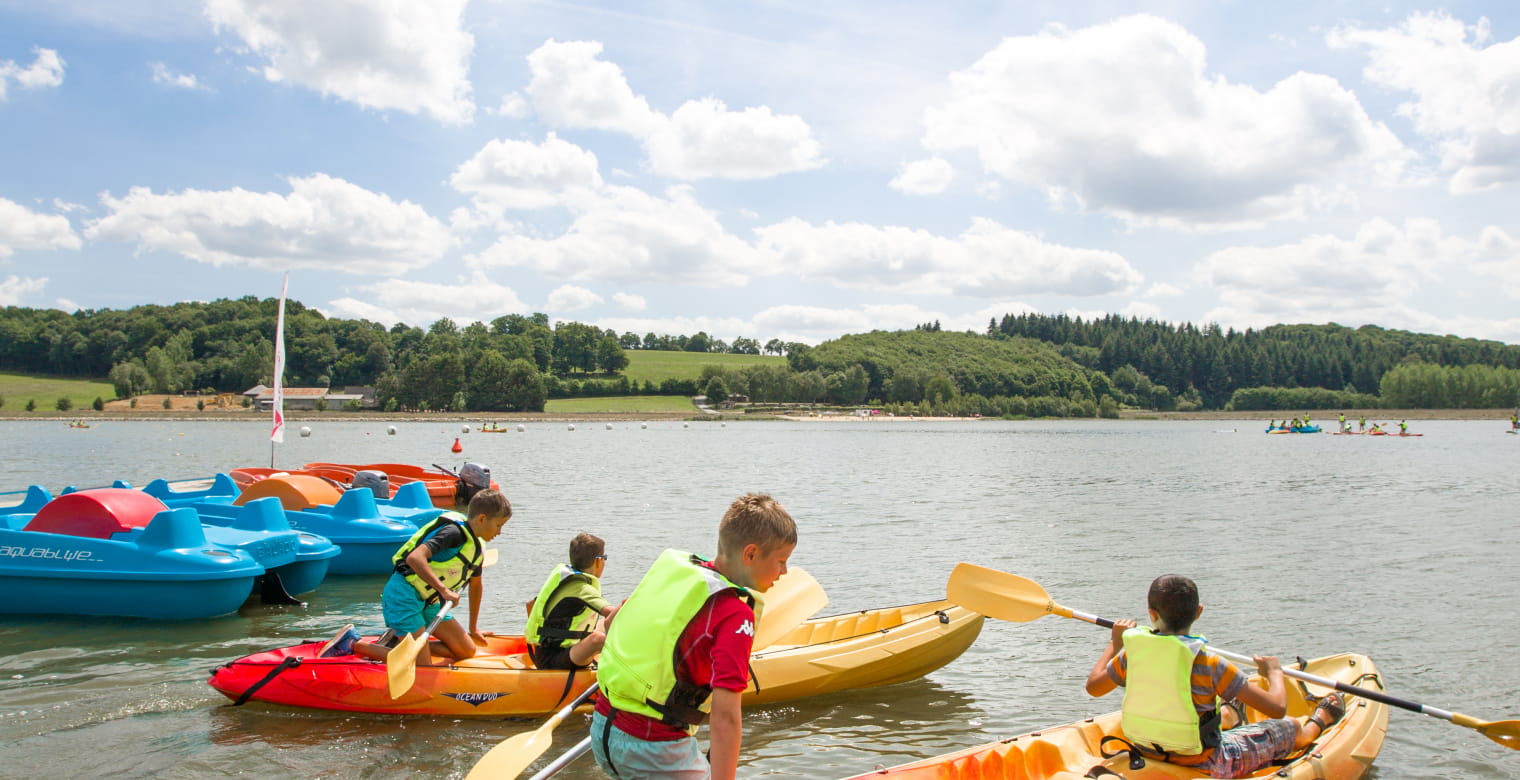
1023,365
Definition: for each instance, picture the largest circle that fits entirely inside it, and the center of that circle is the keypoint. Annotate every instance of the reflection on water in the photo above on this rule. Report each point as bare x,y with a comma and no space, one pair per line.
1301,545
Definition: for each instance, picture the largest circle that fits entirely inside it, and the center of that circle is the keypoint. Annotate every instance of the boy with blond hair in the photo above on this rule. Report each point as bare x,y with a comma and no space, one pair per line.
678,655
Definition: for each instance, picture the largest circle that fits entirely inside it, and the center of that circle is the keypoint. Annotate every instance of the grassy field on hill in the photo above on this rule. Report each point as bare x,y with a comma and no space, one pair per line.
620,404
658,365
17,389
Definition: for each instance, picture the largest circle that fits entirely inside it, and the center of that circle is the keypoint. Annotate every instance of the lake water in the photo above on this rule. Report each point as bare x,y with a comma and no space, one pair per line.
1402,549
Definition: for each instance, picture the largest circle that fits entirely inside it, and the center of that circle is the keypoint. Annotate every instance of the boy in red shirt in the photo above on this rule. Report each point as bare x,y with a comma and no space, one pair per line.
678,654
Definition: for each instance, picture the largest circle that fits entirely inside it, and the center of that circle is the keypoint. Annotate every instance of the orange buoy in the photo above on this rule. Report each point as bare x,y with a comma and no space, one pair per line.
457,447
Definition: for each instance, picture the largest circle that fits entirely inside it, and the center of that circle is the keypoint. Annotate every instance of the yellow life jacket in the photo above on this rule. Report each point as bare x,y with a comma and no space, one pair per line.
1158,711
563,621
453,571
637,670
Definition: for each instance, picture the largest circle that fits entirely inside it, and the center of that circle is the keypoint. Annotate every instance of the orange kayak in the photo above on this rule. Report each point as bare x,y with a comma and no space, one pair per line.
1072,752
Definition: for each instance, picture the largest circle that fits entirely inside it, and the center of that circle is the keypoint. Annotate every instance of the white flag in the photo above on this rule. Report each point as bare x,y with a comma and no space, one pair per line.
278,434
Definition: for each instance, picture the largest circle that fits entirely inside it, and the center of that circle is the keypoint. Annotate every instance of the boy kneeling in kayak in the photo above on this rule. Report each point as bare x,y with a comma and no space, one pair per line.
681,651
1173,686
432,567
561,630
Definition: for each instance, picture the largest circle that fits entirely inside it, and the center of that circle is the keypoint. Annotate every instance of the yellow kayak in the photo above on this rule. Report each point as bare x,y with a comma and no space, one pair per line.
823,655
1071,752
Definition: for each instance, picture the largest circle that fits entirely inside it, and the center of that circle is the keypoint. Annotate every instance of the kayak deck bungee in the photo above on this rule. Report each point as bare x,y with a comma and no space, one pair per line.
1074,751
855,650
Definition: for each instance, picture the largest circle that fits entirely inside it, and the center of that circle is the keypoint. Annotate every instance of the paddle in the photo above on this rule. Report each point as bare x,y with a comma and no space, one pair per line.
794,598
401,661
1005,596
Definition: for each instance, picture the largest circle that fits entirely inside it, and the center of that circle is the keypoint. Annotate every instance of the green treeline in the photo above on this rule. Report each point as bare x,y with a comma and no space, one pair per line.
1030,364
1219,364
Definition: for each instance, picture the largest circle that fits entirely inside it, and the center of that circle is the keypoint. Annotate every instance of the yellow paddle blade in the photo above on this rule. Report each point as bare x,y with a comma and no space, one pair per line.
1000,595
401,665
489,559
514,754
794,598
1504,732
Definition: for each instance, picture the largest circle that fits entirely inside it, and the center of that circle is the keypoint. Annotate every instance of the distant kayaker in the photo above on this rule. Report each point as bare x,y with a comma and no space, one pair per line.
1403,428
562,632
1171,669
680,649
1514,421
441,558
1342,422
1361,424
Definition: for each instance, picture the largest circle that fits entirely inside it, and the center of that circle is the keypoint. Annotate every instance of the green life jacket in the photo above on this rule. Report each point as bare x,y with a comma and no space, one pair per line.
453,571
1158,711
637,670
560,621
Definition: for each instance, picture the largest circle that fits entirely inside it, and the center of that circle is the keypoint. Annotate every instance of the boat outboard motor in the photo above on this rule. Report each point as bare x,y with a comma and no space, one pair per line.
378,482
473,478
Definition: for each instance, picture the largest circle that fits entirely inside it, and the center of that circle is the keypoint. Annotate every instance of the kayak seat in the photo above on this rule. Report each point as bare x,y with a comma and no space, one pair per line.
512,661
97,513
295,491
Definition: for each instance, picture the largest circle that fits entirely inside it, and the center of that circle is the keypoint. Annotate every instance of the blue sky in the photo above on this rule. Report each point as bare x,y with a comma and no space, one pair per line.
768,169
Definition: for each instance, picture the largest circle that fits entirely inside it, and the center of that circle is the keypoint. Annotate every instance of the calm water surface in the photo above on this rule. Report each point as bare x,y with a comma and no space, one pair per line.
1403,549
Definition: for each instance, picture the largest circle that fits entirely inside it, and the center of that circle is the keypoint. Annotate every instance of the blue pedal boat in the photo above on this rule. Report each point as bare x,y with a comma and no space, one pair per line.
117,552
368,530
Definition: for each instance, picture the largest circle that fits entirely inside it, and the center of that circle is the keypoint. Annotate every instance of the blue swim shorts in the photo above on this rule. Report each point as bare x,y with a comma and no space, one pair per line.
403,608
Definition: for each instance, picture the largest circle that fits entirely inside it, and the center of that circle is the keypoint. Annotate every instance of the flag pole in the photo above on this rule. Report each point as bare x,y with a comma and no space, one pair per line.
277,434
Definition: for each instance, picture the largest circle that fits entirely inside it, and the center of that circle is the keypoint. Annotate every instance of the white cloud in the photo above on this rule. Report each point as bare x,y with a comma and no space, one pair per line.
703,139
1500,257
162,75
423,303
572,87
22,228
1163,290
627,235
46,70
325,223
525,175
988,260
513,105
14,289
1372,277
1465,93
382,54
1141,310
64,304
568,298
1123,118
630,301
923,177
